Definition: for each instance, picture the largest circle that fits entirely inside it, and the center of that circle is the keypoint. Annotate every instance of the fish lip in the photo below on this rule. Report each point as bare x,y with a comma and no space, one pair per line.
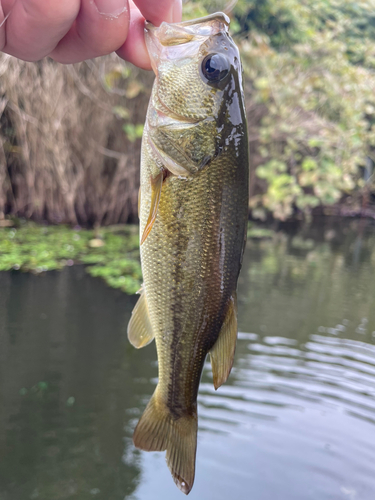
217,16
211,17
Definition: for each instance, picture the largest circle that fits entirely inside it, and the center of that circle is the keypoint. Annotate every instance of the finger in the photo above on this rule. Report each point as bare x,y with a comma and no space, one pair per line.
158,11
134,48
34,27
101,27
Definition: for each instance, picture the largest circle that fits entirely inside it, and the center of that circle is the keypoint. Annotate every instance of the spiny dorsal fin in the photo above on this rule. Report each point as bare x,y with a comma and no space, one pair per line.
156,185
222,353
139,328
158,430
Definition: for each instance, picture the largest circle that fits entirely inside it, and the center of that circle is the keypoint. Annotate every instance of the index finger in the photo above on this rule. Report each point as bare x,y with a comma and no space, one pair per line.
134,49
160,10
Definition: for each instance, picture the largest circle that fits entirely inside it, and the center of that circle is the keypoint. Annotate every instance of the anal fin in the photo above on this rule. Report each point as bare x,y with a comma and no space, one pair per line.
139,328
156,185
222,353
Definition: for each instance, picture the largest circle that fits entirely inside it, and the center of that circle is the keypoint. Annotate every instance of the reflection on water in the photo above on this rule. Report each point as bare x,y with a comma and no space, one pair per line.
295,421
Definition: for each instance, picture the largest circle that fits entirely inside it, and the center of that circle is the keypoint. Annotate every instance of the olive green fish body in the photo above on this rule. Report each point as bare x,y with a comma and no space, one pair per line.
193,216
191,260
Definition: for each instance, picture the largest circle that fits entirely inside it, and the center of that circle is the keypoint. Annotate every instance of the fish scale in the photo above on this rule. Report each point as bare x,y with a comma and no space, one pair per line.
192,227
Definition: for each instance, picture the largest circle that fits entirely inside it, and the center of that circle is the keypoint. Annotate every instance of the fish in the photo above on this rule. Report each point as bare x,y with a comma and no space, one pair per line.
193,209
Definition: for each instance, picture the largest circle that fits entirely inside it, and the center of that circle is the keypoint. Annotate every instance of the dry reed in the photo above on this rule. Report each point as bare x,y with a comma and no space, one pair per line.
63,154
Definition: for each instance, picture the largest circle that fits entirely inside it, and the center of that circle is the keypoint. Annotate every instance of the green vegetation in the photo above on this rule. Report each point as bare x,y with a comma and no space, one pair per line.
256,232
310,91
111,253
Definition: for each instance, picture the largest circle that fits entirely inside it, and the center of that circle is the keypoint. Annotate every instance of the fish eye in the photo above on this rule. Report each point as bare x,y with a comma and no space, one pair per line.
215,67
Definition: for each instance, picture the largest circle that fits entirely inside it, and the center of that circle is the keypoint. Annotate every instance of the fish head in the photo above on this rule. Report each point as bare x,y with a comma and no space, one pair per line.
197,100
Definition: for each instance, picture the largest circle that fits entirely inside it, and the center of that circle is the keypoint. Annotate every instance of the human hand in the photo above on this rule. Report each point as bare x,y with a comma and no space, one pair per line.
70,31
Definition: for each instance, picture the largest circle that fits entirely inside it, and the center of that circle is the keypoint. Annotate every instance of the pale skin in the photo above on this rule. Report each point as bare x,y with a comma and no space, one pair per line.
71,31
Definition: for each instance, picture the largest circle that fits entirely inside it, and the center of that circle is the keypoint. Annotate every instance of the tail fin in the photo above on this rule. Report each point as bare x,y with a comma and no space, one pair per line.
158,430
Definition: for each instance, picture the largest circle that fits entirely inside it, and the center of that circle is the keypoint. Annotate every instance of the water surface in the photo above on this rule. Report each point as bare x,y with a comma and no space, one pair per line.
295,421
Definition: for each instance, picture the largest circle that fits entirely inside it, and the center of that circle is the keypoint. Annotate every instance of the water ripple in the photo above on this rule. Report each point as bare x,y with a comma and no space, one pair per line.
310,404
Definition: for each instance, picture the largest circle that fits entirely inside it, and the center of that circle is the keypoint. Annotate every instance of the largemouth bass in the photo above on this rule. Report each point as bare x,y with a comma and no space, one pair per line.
193,215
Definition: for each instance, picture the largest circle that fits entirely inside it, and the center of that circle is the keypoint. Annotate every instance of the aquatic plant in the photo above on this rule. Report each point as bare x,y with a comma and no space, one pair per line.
110,253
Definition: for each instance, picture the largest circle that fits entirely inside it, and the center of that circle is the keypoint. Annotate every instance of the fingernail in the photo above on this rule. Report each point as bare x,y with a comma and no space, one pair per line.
111,8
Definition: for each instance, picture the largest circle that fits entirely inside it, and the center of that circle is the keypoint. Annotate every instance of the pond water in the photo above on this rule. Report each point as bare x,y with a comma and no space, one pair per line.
295,421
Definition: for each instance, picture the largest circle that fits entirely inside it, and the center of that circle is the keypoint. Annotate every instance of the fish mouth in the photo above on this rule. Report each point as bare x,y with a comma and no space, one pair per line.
217,17
185,31
161,40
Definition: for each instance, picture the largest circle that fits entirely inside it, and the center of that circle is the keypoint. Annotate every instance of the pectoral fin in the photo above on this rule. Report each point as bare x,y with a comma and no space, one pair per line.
156,185
222,353
139,328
